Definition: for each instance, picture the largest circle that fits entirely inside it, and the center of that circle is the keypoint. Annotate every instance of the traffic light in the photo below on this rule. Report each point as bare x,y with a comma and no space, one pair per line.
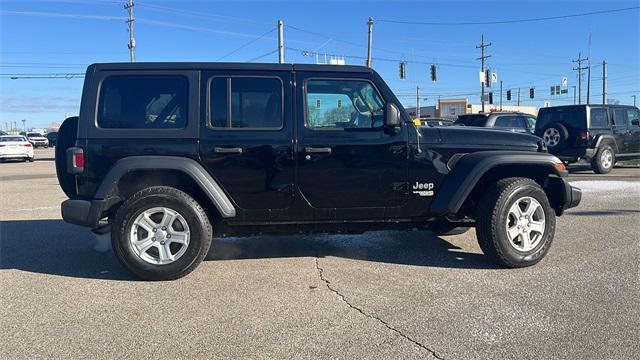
487,78
508,95
403,70
433,72
532,93
490,97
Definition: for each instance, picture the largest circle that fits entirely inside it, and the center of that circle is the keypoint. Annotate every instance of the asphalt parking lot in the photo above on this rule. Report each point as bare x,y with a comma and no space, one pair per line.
376,295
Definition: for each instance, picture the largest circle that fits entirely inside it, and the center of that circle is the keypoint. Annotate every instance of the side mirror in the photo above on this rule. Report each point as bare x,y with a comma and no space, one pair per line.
392,119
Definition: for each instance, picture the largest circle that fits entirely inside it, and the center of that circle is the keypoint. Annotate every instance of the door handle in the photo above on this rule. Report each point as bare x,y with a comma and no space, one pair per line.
227,150
317,150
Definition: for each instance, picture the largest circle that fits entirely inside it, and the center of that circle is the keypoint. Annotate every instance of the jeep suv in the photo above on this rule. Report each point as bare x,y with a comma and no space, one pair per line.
599,134
164,156
512,121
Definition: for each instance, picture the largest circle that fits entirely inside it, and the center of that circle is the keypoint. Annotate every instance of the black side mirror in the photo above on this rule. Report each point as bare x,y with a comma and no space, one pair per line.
392,119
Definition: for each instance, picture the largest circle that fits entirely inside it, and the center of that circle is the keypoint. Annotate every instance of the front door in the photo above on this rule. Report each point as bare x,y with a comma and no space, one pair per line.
246,139
633,117
346,161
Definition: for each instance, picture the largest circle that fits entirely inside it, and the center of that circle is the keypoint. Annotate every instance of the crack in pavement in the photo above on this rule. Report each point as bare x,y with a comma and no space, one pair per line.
383,322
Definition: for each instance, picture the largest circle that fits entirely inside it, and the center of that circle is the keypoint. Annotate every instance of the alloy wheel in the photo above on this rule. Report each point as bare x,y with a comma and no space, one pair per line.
159,236
525,224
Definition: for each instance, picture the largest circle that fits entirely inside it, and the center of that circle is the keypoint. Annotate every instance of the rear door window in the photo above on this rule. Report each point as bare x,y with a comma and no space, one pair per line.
255,103
620,117
509,121
599,117
143,102
471,120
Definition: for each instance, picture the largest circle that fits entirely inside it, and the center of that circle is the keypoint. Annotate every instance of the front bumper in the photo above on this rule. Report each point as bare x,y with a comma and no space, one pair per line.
83,212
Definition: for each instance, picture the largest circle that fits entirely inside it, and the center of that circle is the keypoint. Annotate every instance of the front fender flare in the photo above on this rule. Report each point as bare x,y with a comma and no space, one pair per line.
470,168
188,166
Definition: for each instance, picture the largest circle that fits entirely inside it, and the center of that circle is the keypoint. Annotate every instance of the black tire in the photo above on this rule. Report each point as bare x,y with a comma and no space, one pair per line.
30,159
599,164
558,144
447,229
491,219
67,135
201,233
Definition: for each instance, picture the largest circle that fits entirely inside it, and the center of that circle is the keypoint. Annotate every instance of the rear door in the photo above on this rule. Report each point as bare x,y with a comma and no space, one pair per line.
246,138
347,164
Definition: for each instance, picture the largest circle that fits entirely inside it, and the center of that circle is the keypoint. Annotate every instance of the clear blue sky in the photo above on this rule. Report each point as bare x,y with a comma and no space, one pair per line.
45,37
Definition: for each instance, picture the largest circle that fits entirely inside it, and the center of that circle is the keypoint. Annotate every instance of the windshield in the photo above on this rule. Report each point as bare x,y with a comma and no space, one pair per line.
34,135
11,138
471,120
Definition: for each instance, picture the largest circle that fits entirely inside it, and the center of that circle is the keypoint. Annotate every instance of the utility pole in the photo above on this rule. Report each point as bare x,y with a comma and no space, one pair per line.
482,58
418,102
518,96
132,40
604,82
370,23
24,125
589,70
634,100
579,69
280,42
500,95
574,94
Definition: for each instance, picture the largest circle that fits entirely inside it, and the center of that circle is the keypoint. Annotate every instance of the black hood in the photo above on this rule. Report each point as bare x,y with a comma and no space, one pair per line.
479,138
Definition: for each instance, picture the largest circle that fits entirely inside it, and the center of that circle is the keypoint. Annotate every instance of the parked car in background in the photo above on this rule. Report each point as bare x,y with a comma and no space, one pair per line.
436,122
513,121
599,134
2,133
52,137
15,147
37,139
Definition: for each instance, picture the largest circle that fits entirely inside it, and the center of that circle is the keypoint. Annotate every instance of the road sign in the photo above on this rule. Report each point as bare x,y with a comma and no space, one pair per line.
565,81
494,77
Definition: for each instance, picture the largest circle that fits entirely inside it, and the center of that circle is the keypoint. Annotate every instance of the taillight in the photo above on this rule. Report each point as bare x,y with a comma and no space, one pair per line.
2,145
75,160
584,135
26,145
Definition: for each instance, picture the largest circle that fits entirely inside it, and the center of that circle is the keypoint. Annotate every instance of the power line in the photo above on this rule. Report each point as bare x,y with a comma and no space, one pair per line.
263,55
246,44
496,22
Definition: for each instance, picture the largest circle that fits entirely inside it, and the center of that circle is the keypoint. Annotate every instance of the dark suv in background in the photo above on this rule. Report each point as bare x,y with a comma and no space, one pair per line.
599,134
514,121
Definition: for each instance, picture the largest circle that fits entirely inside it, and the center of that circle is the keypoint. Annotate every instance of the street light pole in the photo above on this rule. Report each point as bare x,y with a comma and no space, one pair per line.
634,100
24,125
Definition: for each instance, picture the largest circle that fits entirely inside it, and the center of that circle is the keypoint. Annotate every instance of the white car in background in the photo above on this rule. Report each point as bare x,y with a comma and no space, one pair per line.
37,139
15,147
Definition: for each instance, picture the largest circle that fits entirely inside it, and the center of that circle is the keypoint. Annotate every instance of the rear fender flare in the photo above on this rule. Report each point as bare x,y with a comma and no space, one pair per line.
607,139
188,166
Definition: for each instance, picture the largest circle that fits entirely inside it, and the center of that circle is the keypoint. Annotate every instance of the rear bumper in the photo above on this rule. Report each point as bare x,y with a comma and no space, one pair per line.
83,212
16,156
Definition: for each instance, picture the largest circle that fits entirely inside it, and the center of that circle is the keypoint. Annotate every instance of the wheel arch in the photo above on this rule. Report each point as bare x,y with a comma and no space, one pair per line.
476,171
133,173
607,139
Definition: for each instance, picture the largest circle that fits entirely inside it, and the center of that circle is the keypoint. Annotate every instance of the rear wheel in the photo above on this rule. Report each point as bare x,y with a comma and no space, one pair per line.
604,160
67,135
515,224
161,233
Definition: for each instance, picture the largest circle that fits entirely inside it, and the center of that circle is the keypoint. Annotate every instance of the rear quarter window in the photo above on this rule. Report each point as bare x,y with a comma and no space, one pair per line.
143,102
471,120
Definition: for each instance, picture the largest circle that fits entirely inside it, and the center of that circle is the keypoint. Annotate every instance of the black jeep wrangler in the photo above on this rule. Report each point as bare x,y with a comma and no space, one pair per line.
599,134
167,155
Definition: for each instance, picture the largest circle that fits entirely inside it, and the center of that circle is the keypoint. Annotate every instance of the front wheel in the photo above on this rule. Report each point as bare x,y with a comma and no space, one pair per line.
161,233
515,223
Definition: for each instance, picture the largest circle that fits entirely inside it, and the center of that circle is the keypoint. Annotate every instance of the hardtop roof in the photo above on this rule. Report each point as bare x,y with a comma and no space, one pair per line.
228,66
